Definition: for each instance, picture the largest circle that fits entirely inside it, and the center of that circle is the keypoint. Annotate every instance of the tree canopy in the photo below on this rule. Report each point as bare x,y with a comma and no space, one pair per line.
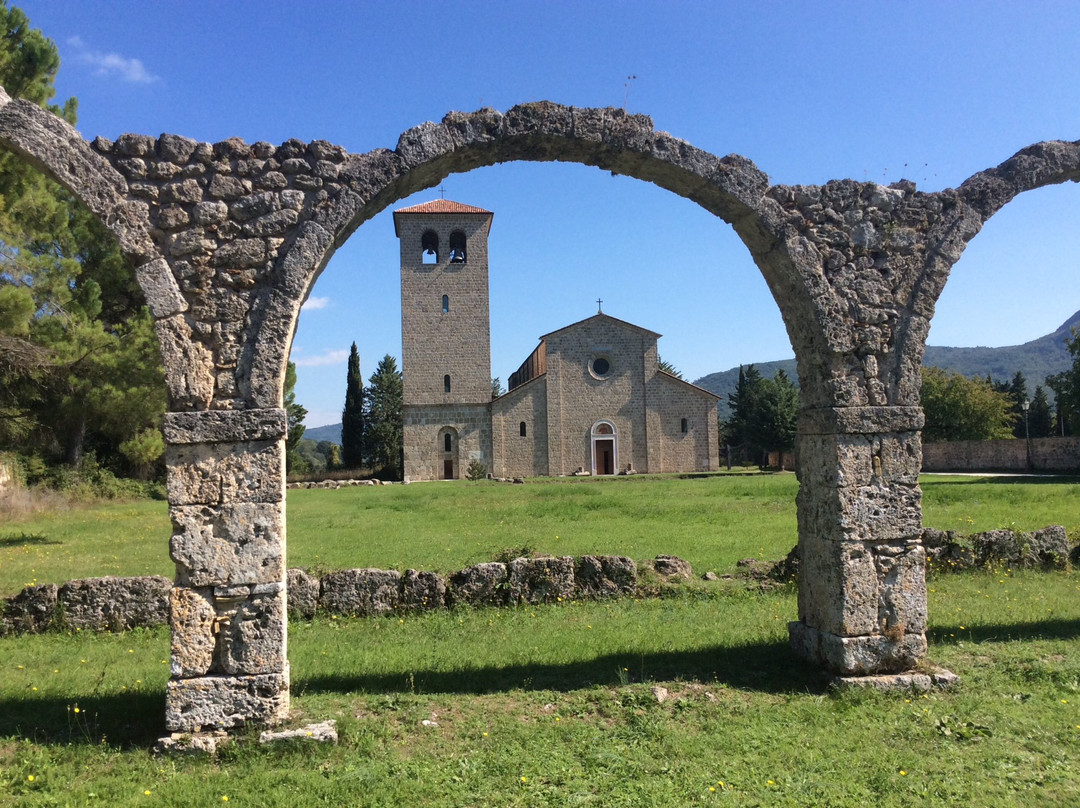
959,408
80,370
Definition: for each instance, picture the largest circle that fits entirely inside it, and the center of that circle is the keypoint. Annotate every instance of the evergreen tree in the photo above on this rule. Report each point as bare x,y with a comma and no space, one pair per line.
1040,418
742,403
295,462
773,421
1066,387
81,371
383,419
352,417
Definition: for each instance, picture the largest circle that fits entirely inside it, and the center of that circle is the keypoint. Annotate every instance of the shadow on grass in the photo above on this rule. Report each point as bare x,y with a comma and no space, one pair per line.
1039,630
766,667
20,539
127,720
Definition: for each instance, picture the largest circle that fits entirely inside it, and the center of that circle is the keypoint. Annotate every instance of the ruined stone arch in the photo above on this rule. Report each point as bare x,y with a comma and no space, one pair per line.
229,238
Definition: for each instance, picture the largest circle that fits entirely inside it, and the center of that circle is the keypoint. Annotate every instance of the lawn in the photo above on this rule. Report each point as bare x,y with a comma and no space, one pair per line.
558,705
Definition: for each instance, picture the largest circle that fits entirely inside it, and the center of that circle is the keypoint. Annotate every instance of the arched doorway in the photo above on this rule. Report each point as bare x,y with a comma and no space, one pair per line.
448,453
605,448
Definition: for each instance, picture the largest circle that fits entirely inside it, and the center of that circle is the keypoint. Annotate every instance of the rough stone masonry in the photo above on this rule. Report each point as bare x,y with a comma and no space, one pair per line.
228,239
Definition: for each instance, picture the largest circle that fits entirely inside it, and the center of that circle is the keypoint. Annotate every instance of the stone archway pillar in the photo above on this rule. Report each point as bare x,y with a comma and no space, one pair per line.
862,566
226,489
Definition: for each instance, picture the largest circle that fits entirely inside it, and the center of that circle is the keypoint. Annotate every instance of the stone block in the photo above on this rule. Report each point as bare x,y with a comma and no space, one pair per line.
251,635
361,592
238,543
188,364
221,473
422,591
303,592
115,604
33,610
160,288
838,586
193,632
541,580
1047,548
481,585
901,590
605,576
856,656
223,702
224,426
672,567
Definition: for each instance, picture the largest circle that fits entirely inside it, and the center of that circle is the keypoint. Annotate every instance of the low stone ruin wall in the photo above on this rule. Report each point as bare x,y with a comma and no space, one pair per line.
117,604
1043,549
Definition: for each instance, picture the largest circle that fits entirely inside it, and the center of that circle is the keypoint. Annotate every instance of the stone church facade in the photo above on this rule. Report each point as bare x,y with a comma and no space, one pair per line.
590,399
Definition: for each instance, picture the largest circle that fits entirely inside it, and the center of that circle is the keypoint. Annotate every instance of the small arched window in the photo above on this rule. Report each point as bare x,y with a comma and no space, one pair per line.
447,443
445,304
457,247
523,430
429,247
446,383
685,426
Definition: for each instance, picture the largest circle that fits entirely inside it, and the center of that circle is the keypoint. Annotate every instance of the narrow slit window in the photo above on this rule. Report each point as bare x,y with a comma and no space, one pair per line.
523,430
429,247
446,383
447,443
457,247
445,304
685,426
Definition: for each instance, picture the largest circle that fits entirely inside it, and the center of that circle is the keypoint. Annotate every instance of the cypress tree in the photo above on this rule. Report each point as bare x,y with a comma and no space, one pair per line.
352,417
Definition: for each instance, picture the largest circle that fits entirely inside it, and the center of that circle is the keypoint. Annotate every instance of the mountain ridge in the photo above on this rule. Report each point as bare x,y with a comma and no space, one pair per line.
1036,359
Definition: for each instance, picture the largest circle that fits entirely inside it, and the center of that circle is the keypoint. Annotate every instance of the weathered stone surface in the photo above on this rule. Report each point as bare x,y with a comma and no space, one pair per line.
361,592
1047,548
605,576
303,592
115,604
194,636
222,702
421,591
33,610
224,426
480,585
251,635
541,580
192,744
237,543
672,567
856,656
322,732
218,474
162,292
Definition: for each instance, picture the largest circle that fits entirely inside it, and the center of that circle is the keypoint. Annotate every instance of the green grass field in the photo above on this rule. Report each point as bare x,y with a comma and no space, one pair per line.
554,705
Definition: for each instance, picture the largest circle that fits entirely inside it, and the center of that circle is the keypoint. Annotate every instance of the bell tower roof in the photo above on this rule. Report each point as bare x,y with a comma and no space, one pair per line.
437,206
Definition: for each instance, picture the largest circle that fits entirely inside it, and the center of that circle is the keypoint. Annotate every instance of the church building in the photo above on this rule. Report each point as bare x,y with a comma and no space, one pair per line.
591,399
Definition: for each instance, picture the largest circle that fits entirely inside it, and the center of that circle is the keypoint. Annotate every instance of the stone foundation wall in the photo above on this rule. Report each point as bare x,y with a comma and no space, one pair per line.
1047,454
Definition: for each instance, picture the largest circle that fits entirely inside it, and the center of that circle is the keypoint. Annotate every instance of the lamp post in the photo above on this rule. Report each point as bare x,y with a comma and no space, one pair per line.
1027,432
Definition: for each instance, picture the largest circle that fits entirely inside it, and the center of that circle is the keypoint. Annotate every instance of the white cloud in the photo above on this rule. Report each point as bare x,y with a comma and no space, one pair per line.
314,303
112,64
328,358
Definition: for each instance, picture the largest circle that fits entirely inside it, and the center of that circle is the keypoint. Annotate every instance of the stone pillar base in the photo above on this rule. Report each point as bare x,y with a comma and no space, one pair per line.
223,702
856,656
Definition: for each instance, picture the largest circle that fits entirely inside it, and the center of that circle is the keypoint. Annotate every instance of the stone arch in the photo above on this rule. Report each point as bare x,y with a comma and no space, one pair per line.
229,238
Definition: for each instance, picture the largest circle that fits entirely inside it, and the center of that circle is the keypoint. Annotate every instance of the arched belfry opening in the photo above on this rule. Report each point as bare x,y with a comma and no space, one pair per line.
457,247
256,238
429,247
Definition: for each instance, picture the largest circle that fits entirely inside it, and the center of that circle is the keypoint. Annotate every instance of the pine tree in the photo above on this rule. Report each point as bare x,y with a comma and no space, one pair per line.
352,417
295,462
1040,417
383,436
81,371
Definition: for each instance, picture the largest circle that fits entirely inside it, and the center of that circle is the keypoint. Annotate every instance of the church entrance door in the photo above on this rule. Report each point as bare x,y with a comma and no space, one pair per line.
605,457
604,448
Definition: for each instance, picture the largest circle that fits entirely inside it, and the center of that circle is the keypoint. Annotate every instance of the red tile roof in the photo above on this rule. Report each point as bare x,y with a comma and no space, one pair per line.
442,206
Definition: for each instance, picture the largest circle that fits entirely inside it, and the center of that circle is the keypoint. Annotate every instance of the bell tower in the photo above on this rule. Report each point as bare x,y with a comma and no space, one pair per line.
446,338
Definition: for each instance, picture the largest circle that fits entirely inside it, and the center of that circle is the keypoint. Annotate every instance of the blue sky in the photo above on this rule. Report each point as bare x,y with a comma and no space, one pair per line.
929,91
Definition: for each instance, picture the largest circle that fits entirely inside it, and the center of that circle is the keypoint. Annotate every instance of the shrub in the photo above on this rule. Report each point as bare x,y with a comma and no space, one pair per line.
476,471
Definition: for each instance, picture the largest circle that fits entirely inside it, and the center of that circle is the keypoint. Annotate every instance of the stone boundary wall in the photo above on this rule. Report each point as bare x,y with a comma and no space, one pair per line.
1047,454
118,603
